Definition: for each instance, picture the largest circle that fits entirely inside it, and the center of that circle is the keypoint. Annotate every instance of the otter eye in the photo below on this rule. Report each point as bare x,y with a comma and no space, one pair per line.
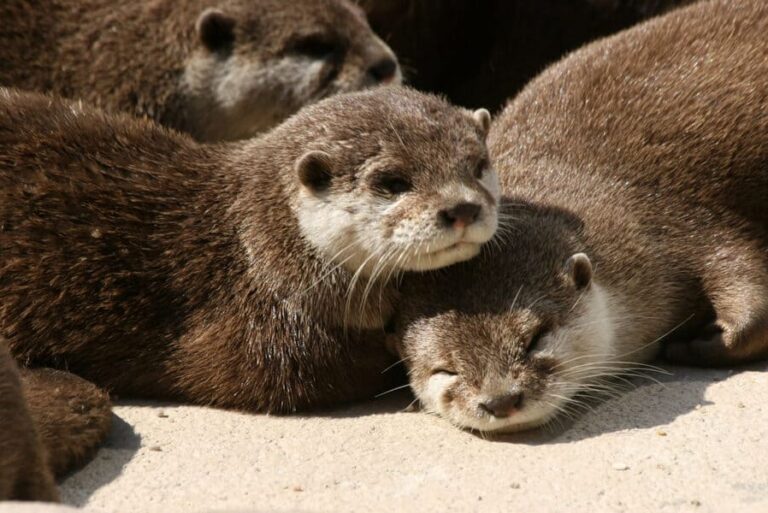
481,168
445,372
391,185
316,47
533,342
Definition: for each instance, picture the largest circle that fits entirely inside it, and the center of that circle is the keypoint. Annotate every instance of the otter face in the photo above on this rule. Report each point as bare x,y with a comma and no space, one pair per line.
504,342
406,185
258,62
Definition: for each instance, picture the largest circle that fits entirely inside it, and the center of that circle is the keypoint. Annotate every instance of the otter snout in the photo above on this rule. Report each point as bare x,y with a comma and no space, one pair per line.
460,216
504,405
384,70
381,65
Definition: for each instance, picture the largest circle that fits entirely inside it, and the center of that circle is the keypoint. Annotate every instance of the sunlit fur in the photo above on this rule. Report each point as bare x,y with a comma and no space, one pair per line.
192,271
626,154
360,229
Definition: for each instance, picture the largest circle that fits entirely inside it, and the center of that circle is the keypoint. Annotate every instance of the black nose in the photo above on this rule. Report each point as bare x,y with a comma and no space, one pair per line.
463,213
504,405
384,70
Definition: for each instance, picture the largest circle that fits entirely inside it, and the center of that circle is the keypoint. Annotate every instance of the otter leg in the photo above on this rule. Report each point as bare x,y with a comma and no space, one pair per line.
738,291
72,416
24,472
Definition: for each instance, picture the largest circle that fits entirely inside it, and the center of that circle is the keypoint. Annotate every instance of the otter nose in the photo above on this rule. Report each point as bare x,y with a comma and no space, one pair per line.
503,406
461,215
383,70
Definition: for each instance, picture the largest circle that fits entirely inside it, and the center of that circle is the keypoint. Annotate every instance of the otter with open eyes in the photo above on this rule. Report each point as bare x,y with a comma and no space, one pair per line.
633,220
217,69
253,275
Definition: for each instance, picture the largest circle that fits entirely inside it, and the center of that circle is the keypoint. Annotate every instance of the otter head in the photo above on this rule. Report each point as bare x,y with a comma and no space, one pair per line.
392,180
256,62
505,341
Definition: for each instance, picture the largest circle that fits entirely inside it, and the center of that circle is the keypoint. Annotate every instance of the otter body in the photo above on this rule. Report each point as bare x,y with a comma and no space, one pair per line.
219,70
250,275
24,473
634,177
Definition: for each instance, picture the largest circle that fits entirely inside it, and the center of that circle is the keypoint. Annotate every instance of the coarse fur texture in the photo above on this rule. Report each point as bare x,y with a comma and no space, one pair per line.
71,416
217,69
634,177
481,53
157,267
24,473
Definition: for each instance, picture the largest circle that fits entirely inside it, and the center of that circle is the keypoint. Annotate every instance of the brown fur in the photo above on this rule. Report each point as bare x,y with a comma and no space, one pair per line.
131,56
480,53
71,415
24,473
647,151
157,267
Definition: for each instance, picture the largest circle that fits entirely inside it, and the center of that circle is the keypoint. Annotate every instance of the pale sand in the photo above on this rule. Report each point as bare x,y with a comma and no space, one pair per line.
697,442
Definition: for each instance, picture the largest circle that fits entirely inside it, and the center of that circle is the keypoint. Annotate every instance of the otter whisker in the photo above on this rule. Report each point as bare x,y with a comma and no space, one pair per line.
353,284
372,279
326,274
401,360
392,390
517,296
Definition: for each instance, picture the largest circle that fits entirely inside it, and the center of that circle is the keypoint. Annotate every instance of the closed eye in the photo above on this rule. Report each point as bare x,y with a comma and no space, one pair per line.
316,47
535,340
481,168
443,371
390,184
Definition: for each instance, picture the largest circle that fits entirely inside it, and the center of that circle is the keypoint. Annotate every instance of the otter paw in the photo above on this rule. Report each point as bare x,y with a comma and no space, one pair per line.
714,346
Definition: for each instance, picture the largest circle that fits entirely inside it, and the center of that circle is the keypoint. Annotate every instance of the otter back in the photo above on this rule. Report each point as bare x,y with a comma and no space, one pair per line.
218,70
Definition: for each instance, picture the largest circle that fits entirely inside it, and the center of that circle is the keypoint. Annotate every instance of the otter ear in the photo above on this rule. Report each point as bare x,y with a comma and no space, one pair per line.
483,118
315,170
215,29
579,269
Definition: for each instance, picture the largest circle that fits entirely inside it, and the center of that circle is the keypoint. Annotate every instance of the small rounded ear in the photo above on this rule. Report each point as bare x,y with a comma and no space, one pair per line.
215,29
579,269
483,118
315,170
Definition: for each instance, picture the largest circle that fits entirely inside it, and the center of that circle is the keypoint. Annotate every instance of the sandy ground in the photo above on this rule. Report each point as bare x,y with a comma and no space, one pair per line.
697,441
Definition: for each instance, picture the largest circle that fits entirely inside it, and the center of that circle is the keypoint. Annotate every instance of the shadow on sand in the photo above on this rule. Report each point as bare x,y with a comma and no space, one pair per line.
646,404
121,445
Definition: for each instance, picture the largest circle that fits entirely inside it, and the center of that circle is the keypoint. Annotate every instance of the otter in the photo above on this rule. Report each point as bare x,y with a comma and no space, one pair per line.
24,472
256,275
480,53
51,422
71,416
216,69
633,221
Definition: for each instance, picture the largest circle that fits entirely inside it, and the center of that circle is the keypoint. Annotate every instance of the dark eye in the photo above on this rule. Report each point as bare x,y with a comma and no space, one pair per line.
481,168
533,343
316,47
441,370
391,185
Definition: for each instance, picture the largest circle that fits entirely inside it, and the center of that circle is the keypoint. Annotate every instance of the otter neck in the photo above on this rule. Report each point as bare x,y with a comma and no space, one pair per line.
309,281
